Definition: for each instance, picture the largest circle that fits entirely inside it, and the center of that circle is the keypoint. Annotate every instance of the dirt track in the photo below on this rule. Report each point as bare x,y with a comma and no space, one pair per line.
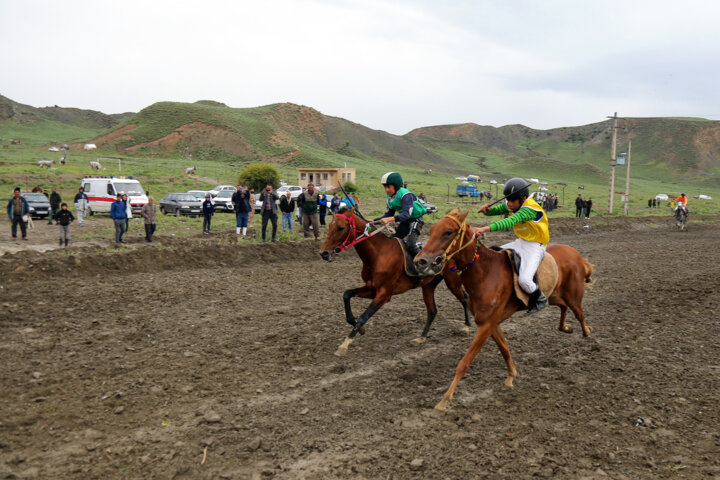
132,365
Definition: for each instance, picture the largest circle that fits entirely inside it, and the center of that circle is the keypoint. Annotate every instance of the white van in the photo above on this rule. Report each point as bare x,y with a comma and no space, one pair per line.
102,191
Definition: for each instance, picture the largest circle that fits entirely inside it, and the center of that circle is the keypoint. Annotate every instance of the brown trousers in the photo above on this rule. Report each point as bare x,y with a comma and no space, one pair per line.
307,220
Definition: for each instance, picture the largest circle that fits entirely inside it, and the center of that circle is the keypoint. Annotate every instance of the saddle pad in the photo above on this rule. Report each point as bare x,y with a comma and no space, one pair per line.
547,276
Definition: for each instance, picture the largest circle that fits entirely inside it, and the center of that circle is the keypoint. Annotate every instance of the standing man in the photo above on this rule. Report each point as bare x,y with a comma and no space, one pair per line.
310,212
208,211
128,212
117,213
55,202
241,204
81,204
579,204
148,213
588,207
17,208
269,208
287,207
299,203
334,203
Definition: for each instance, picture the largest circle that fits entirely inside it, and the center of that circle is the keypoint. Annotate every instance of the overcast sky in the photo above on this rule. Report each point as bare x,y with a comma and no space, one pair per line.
389,65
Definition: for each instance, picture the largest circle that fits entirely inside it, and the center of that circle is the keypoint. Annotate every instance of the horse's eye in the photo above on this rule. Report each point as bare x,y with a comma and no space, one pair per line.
340,229
448,233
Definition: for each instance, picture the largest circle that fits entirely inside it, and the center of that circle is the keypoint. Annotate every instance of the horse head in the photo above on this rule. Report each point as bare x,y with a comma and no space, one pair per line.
342,228
443,235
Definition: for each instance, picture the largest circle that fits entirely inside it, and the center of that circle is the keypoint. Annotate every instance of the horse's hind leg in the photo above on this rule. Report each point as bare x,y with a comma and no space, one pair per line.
502,344
580,315
428,292
563,327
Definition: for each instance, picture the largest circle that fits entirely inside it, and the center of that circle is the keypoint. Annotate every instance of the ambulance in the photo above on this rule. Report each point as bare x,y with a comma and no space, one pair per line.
102,191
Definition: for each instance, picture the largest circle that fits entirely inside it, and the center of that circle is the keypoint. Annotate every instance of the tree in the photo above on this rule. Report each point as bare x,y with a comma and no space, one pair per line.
259,175
350,187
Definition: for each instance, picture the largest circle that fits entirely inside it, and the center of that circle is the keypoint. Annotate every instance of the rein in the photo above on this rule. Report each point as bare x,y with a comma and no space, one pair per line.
353,231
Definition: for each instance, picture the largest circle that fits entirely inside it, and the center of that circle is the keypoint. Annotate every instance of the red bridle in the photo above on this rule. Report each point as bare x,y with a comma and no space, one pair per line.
350,242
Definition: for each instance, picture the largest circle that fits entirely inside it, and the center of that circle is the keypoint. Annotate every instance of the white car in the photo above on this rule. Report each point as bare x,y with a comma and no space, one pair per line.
221,188
223,201
462,179
662,197
294,190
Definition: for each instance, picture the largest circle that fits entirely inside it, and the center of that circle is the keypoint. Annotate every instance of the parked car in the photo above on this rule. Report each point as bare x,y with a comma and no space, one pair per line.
223,201
294,190
181,204
258,203
38,203
662,197
221,188
199,194
429,207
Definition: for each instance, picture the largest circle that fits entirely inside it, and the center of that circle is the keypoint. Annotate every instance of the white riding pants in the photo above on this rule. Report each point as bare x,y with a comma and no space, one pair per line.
531,254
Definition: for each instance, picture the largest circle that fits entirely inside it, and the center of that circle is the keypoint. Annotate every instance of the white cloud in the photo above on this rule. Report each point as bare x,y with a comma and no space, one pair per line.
388,65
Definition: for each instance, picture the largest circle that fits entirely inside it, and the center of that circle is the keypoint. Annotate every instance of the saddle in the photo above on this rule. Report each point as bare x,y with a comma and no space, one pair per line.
546,276
410,269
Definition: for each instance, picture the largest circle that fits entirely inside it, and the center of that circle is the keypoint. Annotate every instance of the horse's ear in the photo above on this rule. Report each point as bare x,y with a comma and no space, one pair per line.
461,216
454,212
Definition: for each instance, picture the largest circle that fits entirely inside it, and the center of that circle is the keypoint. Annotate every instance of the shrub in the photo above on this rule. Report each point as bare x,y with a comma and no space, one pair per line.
259,175
350,187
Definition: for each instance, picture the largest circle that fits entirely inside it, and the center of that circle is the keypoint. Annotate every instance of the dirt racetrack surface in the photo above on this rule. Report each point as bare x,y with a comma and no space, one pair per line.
215,360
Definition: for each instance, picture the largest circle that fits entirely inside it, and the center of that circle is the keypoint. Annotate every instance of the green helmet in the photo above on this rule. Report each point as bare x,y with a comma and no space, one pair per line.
392,178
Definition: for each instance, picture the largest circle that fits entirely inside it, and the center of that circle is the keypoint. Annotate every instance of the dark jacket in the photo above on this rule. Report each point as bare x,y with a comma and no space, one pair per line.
64,217
287,206
241,204
79,196
117,210
25,209
273,201
334,204
579,202
55,200
208,208
322,204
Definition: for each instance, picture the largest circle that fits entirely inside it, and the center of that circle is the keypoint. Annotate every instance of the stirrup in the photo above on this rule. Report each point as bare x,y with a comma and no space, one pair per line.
537,301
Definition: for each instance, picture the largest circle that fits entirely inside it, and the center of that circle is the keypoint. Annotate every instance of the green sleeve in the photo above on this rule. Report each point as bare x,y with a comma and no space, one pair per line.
500,209
522,215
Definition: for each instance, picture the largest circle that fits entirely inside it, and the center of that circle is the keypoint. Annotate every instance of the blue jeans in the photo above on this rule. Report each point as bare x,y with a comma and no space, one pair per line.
242,219
287,220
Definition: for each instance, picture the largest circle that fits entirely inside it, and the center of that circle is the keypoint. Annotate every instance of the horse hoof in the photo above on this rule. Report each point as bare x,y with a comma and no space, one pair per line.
442,406
341,352
509,382
466,329
566,329
588,331
419,340
361,331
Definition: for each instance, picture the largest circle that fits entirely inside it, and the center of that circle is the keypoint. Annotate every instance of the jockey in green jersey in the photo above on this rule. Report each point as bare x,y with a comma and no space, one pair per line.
405,209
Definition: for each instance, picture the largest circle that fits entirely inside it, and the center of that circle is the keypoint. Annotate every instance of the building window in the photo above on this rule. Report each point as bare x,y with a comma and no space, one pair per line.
303,176
343,177
348,177
325,176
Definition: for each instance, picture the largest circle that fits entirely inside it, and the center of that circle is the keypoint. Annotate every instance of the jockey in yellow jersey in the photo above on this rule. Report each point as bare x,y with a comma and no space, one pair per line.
530,223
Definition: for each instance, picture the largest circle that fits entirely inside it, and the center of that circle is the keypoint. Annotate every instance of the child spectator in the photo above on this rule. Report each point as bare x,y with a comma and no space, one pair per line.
63,218
208,211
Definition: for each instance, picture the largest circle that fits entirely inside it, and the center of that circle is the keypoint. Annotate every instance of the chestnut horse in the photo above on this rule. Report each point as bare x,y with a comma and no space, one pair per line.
488,279
383,273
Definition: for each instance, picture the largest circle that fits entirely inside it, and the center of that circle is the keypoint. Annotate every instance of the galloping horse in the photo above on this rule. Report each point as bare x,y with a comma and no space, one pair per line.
488,278
383,273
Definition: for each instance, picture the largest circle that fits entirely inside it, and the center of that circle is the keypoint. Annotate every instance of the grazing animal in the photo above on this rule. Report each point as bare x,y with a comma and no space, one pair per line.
95,165
383,273
488,279
428,170
62,160
45,163
190,170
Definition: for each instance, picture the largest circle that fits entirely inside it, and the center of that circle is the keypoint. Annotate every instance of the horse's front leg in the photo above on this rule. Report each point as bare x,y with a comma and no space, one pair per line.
380,299
362,292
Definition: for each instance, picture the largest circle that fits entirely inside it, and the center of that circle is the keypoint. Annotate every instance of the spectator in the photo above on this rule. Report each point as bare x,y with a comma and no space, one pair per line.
148,213
119,215
287,207
649,202
251,201
208,211
322,208
588,207
422,196
81,204
334,203
654,202
128,212
268,209
299,203
579,206
55,201
241,203
310,211
17,208
63,218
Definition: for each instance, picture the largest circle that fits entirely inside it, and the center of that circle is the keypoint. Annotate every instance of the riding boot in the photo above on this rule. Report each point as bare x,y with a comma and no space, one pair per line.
413,249
237,230
66,242
537,301
61,242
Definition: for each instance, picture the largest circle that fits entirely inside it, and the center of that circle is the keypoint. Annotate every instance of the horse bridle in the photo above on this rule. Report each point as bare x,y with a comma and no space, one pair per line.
459,236
351,242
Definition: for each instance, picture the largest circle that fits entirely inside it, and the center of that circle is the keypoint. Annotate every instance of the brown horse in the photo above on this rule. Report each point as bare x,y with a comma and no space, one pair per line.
383,273
488,278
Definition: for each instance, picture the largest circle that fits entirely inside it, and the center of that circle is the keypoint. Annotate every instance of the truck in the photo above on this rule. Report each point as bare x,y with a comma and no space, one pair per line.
467,191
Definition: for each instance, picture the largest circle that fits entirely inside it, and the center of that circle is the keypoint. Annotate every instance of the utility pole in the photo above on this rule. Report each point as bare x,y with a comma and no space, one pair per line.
613,162
627,178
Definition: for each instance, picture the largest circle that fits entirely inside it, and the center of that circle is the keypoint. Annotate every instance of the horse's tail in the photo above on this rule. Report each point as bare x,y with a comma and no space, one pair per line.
589,269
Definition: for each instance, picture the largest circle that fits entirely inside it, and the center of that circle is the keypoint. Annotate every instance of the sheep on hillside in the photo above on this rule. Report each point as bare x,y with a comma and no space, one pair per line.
190,170
95,165
45,163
